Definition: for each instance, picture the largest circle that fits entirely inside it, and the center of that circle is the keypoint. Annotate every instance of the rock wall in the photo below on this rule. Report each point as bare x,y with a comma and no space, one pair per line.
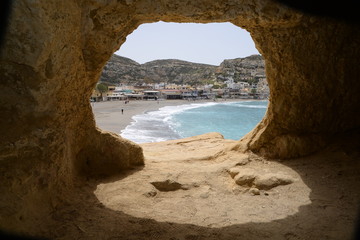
313,82
54,52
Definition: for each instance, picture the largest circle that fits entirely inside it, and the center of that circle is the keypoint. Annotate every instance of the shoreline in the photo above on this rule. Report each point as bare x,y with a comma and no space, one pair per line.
108,115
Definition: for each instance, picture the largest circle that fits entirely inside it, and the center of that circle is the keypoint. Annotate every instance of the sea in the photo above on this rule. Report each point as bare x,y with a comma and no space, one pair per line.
232,119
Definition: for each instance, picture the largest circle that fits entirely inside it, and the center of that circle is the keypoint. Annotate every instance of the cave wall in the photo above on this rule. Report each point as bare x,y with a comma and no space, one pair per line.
312,74
54,52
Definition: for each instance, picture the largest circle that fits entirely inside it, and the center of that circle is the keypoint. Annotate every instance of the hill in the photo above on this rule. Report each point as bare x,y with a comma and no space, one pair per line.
126,71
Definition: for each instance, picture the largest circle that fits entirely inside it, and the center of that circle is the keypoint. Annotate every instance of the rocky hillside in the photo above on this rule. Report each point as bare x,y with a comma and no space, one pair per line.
126,71
242,69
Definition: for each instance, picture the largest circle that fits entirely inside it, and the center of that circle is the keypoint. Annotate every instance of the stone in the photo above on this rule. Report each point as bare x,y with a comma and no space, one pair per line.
254,191
234,171
243,161
205,195
169,185
245,177
151,193
258,179
237,190
271,180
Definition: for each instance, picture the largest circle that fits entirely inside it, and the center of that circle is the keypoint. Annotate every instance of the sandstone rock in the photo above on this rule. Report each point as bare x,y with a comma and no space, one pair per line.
234,171
254,191
183,149
151,193
105,154
245,177
271,180
205,195
257,179
243,161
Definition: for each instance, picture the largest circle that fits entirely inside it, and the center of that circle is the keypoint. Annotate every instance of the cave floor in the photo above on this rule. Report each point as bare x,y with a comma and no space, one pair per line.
188,190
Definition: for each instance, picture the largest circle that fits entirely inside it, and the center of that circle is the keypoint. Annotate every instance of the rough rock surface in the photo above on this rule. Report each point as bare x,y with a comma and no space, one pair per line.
259,179
53,55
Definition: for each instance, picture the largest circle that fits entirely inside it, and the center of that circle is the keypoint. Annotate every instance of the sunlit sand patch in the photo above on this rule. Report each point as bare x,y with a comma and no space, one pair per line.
206,192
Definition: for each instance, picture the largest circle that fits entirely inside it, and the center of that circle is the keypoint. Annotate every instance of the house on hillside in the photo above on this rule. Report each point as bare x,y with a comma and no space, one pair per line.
218,92
207,94
159,85
234,93
244,85
172,86
111,88
263,89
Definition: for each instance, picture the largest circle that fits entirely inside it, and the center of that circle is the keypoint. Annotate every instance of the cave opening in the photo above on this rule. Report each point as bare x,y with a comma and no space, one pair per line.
195,78
49,132
177,175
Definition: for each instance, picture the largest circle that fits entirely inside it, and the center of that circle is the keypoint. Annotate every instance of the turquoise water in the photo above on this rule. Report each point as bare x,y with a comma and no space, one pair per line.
232,119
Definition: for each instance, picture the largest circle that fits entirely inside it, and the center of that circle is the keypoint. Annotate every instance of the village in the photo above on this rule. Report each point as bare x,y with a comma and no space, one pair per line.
163,91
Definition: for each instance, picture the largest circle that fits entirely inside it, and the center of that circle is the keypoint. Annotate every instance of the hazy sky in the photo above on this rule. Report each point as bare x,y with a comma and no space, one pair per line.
202,43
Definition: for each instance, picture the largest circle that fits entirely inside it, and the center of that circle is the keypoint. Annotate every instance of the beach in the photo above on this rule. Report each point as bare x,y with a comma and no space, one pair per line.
109,117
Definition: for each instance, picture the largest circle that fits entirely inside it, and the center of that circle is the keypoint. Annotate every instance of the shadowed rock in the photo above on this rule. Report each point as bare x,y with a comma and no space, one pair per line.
169,185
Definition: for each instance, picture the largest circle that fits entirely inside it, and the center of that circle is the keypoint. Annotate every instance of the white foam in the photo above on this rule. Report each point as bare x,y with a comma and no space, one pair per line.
156,126
243,104
141,129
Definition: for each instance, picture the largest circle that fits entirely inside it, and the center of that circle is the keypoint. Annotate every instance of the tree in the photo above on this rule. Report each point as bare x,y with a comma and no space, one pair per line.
253,91
102,88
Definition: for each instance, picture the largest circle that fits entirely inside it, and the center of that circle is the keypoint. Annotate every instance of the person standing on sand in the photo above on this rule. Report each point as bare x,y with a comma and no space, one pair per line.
122,111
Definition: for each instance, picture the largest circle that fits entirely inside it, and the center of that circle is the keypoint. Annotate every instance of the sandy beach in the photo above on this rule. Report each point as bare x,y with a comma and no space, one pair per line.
109,117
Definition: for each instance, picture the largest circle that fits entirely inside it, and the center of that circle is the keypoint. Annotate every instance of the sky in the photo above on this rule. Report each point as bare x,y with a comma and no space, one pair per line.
201,43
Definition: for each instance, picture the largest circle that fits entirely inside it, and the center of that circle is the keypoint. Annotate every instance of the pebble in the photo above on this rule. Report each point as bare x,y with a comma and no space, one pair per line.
254,191
151,193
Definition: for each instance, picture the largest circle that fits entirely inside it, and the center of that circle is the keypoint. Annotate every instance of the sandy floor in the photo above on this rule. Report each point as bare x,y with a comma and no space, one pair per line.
197,188
201,186
189,190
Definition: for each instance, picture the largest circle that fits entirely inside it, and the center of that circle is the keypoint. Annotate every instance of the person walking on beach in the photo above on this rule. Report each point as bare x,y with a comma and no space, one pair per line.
122,111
